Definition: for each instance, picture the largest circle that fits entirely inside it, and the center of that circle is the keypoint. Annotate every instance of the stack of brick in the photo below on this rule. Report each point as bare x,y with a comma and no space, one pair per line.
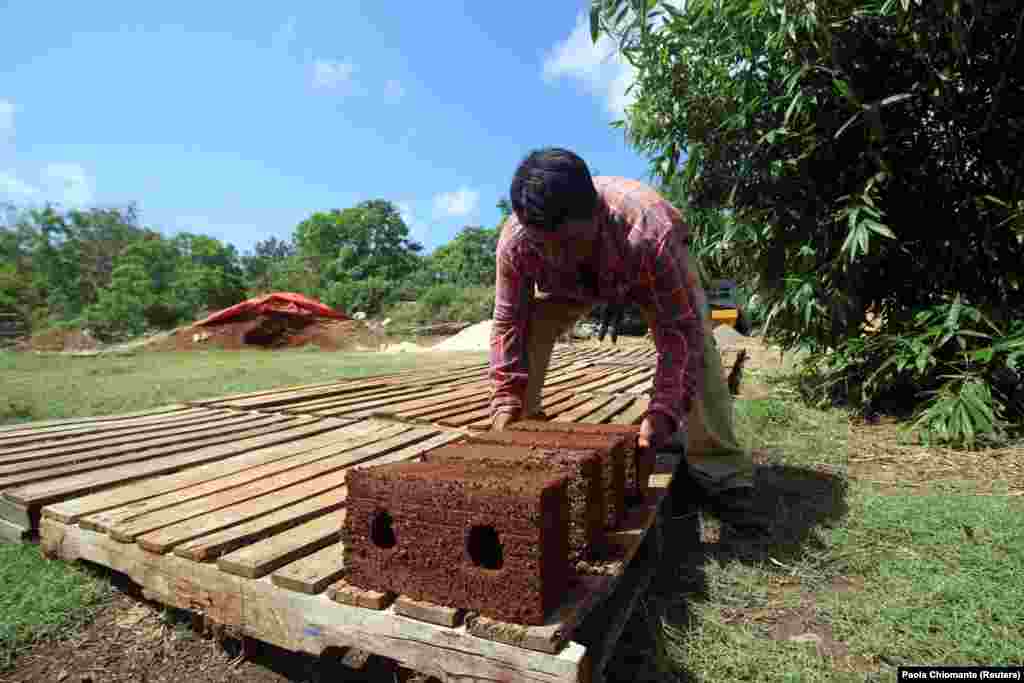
586,502
488,535
639,462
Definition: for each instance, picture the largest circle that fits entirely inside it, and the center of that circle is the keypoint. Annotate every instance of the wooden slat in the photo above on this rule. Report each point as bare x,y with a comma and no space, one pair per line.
206,507
94,441
124,455
249,481
211,546
580,412
264,557
632,414
313,573
312,623
75,421
56,434
70,511
51,491
615,406
628,382
429,612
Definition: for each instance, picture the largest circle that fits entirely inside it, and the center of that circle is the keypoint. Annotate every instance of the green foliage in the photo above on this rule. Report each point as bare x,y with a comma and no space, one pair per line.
259,265
446,302
868,155
469,259
369,295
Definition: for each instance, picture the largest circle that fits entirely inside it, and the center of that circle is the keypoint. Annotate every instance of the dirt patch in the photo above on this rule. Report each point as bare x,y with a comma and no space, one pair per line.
273,332
61,339
879,454
133,640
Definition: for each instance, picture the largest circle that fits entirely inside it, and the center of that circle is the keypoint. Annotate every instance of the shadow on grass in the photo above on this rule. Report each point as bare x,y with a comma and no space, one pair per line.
794,500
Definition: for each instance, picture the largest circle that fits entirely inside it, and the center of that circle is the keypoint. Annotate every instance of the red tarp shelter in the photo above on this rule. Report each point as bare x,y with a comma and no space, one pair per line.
278,302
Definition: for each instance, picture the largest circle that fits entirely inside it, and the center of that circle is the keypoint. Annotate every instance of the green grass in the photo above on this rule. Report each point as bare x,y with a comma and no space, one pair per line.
42,387
41,598
881,578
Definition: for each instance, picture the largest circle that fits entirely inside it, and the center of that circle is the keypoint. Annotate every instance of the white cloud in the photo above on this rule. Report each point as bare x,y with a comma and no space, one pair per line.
394,89
68,184
597,66
14,188
462,202
6,119
330,75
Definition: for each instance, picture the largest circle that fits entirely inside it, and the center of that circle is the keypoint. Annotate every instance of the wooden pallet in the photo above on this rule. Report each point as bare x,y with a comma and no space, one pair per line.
268,565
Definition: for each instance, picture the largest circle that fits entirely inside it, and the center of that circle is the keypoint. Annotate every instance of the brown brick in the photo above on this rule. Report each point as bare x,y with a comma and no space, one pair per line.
639,462
468,534
586,500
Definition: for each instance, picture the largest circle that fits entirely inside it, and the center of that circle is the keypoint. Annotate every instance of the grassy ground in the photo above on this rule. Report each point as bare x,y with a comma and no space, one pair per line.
41,387
860,574
881,553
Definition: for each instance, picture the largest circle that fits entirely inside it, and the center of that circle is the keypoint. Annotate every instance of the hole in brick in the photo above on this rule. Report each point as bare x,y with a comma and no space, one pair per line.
382,534
485,548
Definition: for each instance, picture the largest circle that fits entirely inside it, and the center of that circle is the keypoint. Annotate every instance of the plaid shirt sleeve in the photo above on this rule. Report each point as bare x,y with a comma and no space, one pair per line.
678,332
512,300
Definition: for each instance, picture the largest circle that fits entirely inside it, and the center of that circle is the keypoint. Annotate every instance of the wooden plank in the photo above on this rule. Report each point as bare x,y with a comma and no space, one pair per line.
429,612
93,441
211,546
271,553
629,382
253,480
580,412
313,573
312,623
209,513
609,379
70,511
126,455
615,406
365,408
632,414
74,421
13,533
15,440
51,491
347,594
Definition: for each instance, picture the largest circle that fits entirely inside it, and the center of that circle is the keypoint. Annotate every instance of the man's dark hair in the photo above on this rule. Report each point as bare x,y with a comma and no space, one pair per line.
552,186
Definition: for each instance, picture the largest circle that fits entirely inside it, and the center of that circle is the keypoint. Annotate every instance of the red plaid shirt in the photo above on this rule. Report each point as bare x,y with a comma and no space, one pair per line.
640,257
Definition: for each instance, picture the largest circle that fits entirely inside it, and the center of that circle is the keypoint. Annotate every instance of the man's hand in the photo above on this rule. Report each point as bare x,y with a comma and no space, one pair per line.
501,420
655,430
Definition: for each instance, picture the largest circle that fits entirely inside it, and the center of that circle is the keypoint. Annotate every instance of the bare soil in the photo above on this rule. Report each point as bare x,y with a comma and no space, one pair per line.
274,332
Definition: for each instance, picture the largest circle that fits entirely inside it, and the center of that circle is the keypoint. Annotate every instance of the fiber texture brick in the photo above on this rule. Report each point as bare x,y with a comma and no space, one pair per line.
465,533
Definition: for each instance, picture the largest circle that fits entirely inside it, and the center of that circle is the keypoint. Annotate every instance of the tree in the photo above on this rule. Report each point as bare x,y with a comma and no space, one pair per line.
870,153
258,265
469,259
367,240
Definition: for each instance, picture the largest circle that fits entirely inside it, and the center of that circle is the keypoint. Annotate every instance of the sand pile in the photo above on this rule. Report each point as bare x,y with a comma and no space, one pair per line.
473,338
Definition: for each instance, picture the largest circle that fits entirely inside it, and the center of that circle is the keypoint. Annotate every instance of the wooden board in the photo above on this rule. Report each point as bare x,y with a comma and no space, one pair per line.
70,511
74,421
312,623
429,612
10,441
313,573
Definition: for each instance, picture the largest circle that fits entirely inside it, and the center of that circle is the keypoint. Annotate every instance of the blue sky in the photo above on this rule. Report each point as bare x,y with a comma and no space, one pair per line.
238,121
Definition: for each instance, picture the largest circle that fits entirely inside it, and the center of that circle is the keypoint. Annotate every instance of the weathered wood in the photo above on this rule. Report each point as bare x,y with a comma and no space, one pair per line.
70,511
264,557
211,546
28,454
347,594
429,612
52,491
127,455
632,414
162,530
252,481
56,434
615,406
313,573
311,623
580,412
74,421
13,533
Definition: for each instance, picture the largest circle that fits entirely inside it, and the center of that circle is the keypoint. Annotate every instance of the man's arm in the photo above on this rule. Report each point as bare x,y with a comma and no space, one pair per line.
678,331
513,297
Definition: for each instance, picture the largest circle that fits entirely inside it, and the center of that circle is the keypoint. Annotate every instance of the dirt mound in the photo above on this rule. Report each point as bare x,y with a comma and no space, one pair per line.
63,339
473,338
272,331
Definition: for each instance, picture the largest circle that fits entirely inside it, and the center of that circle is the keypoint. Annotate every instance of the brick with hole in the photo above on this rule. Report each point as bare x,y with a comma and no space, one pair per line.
639,462
610,448
586,502
466,533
